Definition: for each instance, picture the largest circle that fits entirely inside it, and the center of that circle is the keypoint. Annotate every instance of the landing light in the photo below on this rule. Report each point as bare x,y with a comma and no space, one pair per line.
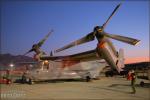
11,65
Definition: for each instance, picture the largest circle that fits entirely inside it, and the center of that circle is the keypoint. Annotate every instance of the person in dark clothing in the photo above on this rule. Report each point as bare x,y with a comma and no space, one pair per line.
8,77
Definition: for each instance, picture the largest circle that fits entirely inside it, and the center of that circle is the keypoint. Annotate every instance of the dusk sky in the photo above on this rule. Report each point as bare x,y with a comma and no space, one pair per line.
24,23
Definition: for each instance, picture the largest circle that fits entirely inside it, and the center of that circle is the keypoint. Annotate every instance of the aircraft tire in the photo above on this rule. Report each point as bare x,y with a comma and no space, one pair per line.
23,79
30,81
142,83
88,79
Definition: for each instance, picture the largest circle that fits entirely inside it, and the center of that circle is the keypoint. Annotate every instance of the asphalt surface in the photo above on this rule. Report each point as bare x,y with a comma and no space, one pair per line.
114,88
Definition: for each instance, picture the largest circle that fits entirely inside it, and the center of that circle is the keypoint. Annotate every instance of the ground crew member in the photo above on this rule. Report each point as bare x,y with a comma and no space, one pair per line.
133,80
129,76
8,80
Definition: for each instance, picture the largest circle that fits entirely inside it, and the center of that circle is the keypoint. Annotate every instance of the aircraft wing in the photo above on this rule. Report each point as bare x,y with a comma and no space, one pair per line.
84,56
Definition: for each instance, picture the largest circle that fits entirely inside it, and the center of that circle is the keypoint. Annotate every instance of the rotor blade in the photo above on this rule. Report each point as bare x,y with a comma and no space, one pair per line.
104,25
87,38
29,51
128,40
44,39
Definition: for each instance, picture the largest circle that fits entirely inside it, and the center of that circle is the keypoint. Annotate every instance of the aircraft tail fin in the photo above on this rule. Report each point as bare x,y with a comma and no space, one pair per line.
120,64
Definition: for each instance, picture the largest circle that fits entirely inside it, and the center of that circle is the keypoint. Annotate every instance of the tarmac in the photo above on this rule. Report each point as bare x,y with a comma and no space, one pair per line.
107,88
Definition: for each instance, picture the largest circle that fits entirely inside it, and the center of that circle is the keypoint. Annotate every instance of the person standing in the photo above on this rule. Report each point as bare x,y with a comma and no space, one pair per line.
133,80
8,79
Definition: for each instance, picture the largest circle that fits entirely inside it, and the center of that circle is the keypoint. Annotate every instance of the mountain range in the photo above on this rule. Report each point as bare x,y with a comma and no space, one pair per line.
6,59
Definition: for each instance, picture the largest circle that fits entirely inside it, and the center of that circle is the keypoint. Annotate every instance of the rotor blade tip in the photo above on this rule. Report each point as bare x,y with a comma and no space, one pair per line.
119,4
137,42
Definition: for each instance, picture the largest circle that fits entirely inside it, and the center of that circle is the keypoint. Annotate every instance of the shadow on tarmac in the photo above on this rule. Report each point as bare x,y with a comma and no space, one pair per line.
146,85
120,91
19,81
112,89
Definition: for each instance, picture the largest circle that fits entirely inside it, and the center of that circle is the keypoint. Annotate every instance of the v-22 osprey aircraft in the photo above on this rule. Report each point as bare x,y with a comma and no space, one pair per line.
104,50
